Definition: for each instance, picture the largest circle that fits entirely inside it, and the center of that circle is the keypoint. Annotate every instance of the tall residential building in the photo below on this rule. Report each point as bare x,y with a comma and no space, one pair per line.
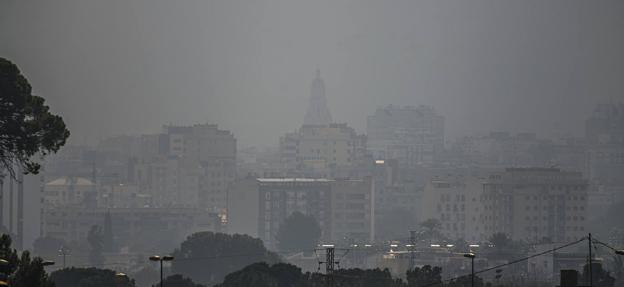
318,111
605,133
320,151
455,200
606,124
188,165
343,208
412,135
536,203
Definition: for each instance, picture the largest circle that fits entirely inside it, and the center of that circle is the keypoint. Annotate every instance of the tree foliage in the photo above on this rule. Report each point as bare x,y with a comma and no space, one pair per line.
424,276
178,280
287,275
503,247
431,231
22,271
146,277
298,232
96,245
206,257
27,128
261,275
30,273
89,277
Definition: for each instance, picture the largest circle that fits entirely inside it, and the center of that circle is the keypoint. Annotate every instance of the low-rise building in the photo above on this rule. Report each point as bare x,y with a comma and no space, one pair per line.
134,227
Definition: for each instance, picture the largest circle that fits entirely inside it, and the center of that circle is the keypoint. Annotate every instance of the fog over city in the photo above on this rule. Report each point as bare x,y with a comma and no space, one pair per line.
302,143
133,65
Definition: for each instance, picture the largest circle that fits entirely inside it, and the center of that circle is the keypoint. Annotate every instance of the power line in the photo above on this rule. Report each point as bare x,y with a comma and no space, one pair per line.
511,262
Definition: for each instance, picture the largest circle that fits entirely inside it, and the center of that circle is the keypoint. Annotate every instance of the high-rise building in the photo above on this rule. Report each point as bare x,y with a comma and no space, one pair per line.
533,204
455,200
412,135
605,133
318,112
188,165
321,151
343,208
606,124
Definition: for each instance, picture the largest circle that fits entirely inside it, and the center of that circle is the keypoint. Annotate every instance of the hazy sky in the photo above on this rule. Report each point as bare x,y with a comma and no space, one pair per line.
129,66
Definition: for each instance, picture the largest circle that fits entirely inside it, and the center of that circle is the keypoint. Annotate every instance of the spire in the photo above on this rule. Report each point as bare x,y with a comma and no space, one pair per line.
318,112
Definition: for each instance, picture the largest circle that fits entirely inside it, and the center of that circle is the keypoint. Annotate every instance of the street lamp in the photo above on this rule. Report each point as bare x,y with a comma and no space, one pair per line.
619,252
161,259
47,263
472,257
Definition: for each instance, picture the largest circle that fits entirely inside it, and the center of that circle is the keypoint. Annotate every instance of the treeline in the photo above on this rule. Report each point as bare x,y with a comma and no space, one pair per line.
287,275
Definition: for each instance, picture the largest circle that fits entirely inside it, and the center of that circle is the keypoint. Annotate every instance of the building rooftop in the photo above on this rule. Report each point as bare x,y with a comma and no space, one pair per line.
66,180
279,180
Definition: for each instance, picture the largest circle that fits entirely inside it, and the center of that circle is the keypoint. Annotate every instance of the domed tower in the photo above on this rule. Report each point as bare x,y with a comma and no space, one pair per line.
318,112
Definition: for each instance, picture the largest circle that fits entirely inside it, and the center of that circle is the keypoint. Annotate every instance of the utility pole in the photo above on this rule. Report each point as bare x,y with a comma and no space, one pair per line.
330,263
1,197
591,281
10,204
20,211
64,253
412,262
329,266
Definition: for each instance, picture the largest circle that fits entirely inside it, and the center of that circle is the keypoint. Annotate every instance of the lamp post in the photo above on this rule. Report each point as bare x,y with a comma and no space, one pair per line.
472,257
161,259
47,263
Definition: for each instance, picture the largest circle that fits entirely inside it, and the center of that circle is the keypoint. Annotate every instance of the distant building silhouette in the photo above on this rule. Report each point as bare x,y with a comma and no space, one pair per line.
412,135
318,112
320,150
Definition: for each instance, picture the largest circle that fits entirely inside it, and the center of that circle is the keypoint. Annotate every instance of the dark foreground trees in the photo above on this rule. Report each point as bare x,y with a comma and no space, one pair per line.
91,277
27,128
22,271
206,257
178,280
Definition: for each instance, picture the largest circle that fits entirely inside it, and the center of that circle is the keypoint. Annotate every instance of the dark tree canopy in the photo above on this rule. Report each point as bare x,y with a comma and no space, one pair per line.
505,248
22,271
178,280
27,128
298,232
424,276
30,273
206,257
430,231
287,275
261,275
96,245
92,277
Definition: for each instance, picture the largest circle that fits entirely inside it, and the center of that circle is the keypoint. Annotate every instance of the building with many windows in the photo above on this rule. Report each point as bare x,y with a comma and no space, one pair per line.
455,200
322,151
536,203
412,135
343,208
